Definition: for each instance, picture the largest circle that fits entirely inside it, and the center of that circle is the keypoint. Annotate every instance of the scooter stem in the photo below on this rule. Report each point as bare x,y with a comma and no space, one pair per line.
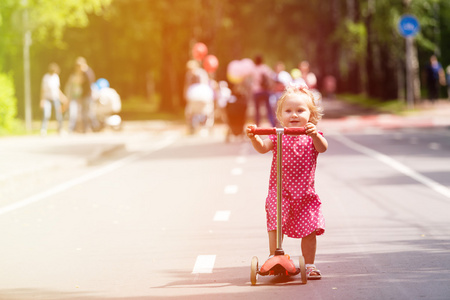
279,132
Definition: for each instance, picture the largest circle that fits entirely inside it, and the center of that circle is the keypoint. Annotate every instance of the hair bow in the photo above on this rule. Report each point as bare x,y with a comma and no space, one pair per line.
298,85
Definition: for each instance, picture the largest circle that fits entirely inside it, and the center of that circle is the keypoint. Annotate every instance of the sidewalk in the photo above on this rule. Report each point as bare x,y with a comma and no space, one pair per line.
344,117
23,155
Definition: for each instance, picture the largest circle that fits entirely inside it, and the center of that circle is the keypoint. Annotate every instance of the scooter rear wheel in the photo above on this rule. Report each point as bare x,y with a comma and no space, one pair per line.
254,270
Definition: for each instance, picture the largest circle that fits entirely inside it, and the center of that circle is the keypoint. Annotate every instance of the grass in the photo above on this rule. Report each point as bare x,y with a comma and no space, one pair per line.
139,108
17,128
390,106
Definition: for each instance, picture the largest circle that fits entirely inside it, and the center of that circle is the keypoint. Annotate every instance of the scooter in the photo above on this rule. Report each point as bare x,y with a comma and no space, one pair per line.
280,263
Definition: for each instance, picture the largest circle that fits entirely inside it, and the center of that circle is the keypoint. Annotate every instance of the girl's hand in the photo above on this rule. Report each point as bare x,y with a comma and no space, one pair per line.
260,145
311,129
320,143
249,133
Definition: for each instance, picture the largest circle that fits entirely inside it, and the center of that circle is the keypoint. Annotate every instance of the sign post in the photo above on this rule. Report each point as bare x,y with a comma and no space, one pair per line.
26,68
408,26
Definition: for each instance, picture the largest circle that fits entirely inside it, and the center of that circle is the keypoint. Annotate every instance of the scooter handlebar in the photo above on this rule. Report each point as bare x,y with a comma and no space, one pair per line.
295,130
289,131
263,131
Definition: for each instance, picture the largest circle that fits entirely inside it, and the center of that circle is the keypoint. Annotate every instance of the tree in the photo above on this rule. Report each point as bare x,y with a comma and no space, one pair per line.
47,21
132,42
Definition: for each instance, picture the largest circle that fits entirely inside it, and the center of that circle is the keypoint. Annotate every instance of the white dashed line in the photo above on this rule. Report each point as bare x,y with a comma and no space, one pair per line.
204,264
236,171
241,159
230,189
222,215
434,146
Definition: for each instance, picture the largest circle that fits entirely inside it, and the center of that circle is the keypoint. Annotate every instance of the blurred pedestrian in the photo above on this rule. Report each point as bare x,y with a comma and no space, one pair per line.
51,95
223,97
261,87
329,86
74,91
448,81
281,80
88,116
199,95
435,77
308,76
236,110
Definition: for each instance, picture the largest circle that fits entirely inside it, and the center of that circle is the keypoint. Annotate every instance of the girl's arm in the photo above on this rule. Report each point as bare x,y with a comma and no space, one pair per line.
320,143
260,145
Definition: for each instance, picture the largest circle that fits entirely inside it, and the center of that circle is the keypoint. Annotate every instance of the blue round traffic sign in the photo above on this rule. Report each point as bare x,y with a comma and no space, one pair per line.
408,26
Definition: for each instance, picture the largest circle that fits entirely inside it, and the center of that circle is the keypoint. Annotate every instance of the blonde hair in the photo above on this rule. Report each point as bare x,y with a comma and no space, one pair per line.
303,92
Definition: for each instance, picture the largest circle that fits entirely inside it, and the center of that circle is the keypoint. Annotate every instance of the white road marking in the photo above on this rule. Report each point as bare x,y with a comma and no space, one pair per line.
204,264
437,187
241,159
236,171
222,215
89,176
230,189
434,146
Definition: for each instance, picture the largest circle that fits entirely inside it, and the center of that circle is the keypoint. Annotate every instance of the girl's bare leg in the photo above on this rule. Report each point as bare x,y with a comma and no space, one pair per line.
309,245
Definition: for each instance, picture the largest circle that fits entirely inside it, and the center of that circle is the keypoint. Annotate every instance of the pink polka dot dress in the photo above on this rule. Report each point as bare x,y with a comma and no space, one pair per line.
301,206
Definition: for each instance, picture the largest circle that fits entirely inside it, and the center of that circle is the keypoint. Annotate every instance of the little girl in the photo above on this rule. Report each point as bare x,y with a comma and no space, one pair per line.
301,207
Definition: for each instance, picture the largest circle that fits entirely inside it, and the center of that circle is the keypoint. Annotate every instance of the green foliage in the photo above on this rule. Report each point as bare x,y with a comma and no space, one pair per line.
47,21
49,18
137,44
8,102
10,38
353,37
392,106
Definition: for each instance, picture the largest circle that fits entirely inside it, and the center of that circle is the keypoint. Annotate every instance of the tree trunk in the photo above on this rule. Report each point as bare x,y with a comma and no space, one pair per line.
167,74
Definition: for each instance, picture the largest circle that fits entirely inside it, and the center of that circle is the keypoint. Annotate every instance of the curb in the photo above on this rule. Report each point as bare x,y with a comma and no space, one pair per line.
90,160
101,152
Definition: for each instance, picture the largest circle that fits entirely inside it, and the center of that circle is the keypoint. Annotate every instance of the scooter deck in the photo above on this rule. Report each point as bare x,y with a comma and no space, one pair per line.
279,265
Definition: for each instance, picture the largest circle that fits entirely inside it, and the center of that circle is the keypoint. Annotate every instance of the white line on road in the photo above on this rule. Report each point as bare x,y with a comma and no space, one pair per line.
437,187
236,171
230,189
434,146
222,215
241,159
71,183
204,264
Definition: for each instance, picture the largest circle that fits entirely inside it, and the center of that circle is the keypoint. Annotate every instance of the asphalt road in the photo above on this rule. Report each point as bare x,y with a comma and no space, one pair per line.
180,217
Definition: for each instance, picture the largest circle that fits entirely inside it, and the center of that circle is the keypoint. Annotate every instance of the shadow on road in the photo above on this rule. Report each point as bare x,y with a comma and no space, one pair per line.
421,269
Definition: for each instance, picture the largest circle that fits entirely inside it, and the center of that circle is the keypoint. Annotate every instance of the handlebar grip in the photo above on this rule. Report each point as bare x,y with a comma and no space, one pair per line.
289,131
264,131
295,130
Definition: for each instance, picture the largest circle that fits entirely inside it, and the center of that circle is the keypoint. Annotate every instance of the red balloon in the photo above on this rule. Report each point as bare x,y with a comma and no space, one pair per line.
210,63
199,51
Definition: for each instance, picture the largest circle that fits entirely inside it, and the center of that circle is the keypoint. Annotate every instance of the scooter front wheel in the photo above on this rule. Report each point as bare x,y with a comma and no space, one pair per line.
254,270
